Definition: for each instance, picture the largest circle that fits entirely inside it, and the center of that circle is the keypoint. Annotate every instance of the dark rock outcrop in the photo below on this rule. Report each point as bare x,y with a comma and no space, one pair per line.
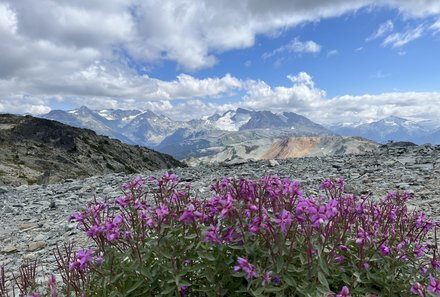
35,150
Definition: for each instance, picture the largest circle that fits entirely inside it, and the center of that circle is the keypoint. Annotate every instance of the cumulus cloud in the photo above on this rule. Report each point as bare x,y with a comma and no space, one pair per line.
187,86
305,98
302,95
76,51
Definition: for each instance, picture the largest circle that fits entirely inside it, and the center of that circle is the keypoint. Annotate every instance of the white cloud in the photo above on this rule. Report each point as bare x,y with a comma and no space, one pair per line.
435,27
396,40
301,96
295,46
8,19
187,86
332,52
84,51
383,29
306,99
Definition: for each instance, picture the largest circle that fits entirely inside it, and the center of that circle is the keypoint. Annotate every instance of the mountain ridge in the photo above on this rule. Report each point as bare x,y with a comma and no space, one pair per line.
38,151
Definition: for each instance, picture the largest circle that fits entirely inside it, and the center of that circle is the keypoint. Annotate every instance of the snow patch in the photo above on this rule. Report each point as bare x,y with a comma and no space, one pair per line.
228,124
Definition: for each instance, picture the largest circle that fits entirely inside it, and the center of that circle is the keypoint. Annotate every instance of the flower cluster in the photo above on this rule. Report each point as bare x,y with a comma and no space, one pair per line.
256,236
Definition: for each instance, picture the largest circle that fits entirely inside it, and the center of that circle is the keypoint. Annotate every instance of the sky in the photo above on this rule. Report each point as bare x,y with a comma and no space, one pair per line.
332,61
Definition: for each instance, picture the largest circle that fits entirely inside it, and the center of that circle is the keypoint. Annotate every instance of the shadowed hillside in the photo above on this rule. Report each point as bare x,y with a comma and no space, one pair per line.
35,150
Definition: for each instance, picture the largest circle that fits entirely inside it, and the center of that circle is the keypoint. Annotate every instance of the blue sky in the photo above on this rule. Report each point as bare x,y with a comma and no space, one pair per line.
332,61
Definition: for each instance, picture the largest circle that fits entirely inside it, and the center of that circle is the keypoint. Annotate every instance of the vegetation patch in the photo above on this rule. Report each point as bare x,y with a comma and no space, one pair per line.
250,238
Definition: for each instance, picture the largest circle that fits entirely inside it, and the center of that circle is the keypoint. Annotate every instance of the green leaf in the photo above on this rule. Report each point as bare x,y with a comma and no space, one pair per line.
279,264
168,290
134,287
290,281
323,266
258,292
190,236
322,279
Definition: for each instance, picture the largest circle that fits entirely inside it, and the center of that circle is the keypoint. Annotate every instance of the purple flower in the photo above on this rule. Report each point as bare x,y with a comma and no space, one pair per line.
419,251
77,217
417,288
345,292
266,278
327,185
113,234
318,215
122,201
384,250
117,220
434,285
244,265
83,259
254,227
362,237
148,220
435,264
230,235
99,260
184,291
51,282
162,211
190,214
94,230
341,184
284,221
212,234
339,259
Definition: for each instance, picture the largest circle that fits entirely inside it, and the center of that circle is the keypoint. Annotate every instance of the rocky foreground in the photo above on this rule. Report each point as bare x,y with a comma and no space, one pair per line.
33,219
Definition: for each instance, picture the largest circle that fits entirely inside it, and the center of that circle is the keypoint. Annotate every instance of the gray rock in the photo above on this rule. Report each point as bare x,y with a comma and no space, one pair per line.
37,245
27,221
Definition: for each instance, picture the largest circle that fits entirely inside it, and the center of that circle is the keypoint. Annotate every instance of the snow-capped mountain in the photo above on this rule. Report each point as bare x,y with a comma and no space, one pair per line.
242,119
129,126
83,117
236,127
192,138
119,117
390,128
240,131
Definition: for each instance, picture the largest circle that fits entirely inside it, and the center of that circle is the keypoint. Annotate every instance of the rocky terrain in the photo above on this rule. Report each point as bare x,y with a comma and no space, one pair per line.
270,147
33,218
39,151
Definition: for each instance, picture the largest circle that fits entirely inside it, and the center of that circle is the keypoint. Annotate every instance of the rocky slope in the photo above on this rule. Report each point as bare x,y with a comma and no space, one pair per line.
34,218
38,151
270,147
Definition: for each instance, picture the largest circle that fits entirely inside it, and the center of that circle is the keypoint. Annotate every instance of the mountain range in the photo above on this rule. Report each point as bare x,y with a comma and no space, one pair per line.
391,128
234,132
